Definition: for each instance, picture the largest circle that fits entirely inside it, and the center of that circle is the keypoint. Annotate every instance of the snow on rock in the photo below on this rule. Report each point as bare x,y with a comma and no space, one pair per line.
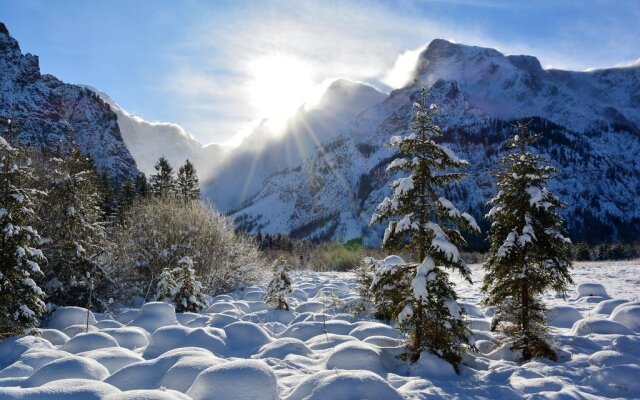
89,341
628,316
589,326
70,367
344,385
563,316
591,289
155,315
65,317
239,379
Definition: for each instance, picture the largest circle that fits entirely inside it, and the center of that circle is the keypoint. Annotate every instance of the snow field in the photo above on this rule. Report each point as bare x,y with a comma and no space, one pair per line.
237,348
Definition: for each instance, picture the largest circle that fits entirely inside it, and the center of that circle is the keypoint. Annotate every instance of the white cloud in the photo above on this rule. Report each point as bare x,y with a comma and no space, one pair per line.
402,71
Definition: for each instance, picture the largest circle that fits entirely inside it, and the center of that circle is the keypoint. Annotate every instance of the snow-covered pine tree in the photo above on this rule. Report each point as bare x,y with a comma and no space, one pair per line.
188,295
162,182
75,233
424,223
187,184
166,288
279,287
529,253
20,297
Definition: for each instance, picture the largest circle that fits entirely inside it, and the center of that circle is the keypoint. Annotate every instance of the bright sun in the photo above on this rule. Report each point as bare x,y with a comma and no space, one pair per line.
280,85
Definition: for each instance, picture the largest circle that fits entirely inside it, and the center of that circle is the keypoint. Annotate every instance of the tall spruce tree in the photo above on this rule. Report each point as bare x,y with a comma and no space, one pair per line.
529,252
162,182
20,297
187,184
141,185
425,224
73,224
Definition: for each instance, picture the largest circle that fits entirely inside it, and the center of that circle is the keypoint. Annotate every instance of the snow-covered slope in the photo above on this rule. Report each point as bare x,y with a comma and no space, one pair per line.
590,124
148,141
243,171
48,112
238,348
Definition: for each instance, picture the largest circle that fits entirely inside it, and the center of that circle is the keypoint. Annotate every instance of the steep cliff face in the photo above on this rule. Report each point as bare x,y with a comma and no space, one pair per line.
590,125
50,113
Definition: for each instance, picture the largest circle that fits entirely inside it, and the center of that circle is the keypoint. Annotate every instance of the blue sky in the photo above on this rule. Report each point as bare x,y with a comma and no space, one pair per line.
198,63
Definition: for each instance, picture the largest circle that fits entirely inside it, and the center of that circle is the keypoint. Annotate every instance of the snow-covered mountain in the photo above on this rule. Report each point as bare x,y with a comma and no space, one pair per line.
243,170
590,124
148,141
48,112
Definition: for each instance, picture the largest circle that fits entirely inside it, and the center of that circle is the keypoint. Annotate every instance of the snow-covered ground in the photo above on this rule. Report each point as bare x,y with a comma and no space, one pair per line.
238,349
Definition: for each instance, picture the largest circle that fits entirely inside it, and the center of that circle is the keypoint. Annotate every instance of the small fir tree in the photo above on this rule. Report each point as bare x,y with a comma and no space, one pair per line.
21,301
187,182
141,185
188,295
529,252
162,182
166,289
422,299
279,287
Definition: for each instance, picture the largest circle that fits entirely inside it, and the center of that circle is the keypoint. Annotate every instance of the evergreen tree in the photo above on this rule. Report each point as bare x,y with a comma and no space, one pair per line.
166,288
529,253
141,185
279,287
73,224
162,182
187,183
188,295
425,224
20,297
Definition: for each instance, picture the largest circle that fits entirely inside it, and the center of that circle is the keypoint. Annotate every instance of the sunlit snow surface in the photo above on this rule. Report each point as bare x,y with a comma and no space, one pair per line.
239,349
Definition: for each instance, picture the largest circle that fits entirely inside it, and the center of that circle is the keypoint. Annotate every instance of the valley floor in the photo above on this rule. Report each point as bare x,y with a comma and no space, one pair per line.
239,349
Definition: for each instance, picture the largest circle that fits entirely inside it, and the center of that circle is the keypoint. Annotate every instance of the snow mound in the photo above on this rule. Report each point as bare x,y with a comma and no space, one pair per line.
129,337
30,361
56,337
65,317
356,356
344,385
282,347
155,315
89,341
563,316
12,348
127,315
245,338
430,365
152,374
113,358
240,379
310,306
628,316
586,327
304,330
627,345
606,307
220,307
70,367
109,323
148,395
172,337
328,341
68,389
606,358
621,380
365,329
73,330
591,289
